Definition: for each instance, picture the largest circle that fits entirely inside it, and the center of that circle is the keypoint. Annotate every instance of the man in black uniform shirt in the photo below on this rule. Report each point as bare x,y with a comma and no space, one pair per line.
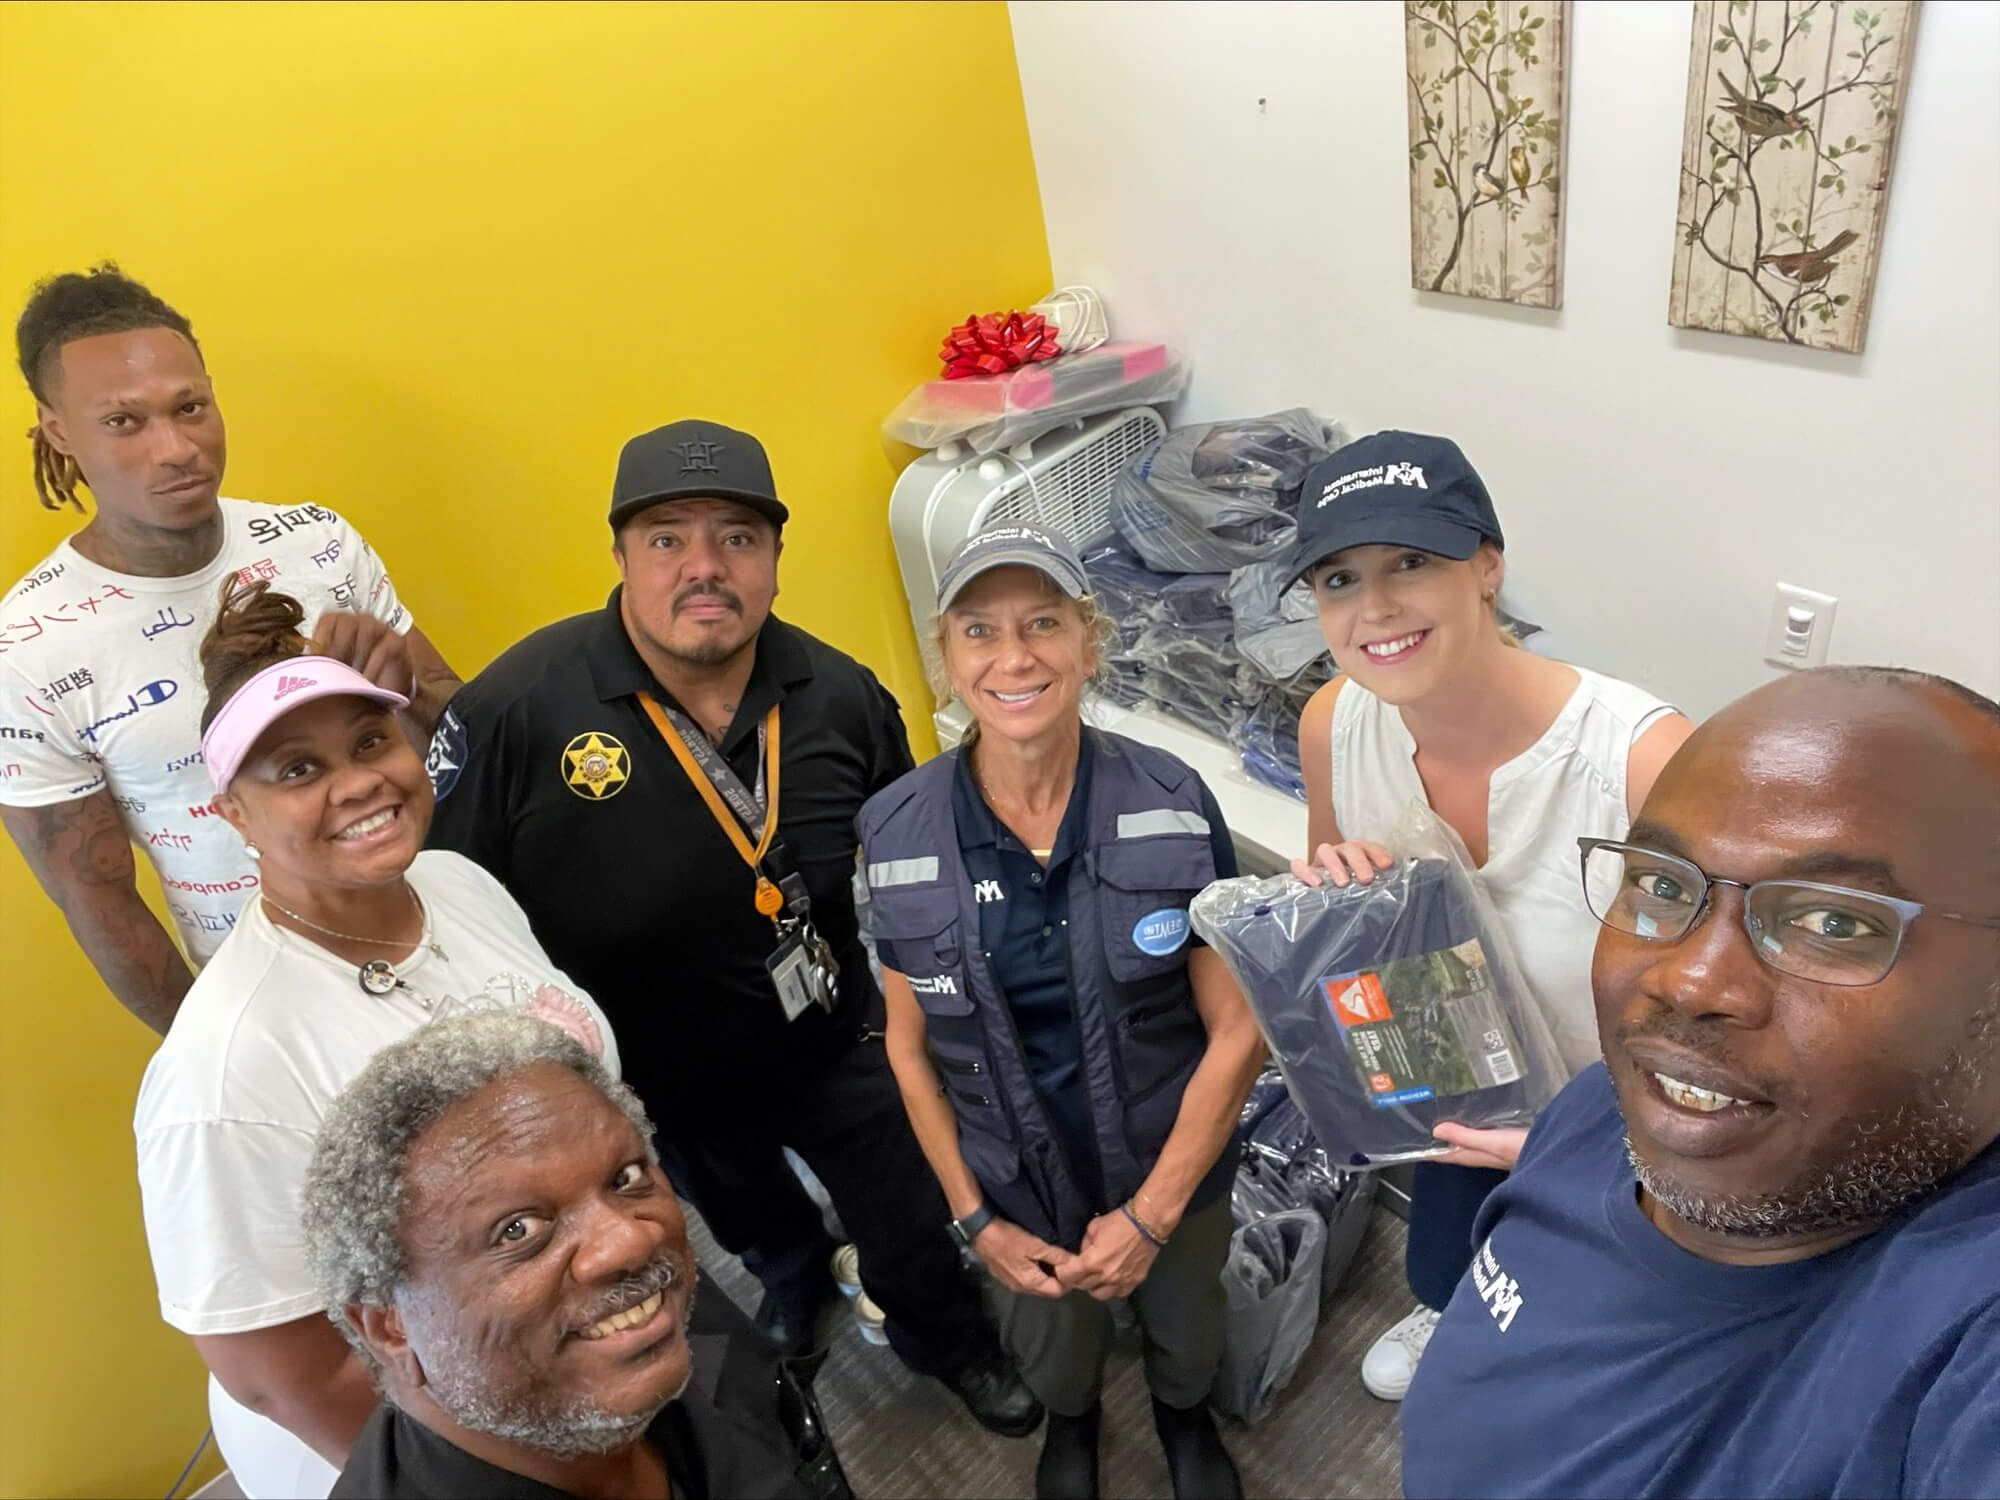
621,773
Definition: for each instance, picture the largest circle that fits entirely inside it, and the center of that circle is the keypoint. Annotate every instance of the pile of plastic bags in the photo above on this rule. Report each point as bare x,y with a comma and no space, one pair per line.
1299,1221
1208,625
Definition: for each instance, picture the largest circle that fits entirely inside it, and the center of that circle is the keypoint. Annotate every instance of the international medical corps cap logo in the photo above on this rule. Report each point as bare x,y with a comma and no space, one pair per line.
698,457
1369,478
595,766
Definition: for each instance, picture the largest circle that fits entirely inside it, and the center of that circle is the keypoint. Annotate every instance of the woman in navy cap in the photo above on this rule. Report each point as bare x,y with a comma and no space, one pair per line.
1519,753
1072,1059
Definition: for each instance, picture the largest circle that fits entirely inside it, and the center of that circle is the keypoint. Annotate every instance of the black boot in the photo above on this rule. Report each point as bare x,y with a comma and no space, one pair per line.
995,1394
790,1318
1197,1463
1067,1469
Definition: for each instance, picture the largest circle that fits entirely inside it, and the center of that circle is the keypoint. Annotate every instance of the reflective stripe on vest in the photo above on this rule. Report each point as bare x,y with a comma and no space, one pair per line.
1141,825
903,872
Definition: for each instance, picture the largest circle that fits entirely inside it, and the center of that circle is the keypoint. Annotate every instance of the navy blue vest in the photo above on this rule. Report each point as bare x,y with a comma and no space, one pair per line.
1145,856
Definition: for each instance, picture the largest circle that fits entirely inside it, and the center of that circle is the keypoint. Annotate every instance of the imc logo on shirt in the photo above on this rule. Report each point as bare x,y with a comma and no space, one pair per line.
1161,932
1500,1292
943,984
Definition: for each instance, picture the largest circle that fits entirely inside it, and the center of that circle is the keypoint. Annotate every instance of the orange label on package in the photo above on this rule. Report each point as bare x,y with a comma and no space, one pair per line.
1357,999
1381,1083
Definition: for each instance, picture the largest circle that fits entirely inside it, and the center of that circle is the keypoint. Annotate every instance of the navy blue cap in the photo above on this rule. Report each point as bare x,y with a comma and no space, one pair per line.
694,460
1394,489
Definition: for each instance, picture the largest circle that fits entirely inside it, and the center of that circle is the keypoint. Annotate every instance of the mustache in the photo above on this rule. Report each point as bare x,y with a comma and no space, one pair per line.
707,591
175,481
661,1274
1704,1042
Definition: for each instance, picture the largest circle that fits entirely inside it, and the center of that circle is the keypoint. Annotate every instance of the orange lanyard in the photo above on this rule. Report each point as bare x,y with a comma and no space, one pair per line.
770,900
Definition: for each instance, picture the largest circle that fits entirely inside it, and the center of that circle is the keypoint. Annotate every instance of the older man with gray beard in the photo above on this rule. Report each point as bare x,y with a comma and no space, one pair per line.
493,1233
1755,1252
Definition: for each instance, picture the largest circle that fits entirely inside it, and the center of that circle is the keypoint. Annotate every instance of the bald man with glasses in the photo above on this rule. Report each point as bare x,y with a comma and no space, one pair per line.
1756,1251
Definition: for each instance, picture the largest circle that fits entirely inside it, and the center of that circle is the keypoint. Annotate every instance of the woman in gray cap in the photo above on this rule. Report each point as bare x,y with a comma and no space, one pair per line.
1072,1058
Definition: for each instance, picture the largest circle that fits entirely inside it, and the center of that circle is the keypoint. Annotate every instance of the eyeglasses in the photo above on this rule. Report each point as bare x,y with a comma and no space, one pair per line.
1829,934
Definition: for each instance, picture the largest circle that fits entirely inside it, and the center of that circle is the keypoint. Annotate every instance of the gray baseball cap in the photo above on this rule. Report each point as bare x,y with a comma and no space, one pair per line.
694,460
1014,545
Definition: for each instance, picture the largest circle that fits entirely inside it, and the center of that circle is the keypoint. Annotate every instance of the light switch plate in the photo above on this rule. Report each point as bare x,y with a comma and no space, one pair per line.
1800,628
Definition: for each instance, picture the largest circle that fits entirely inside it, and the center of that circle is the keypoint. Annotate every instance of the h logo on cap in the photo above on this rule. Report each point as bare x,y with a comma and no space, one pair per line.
698,457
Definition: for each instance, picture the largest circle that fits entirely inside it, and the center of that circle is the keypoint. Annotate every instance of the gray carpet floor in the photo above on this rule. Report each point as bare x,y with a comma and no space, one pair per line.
901,1436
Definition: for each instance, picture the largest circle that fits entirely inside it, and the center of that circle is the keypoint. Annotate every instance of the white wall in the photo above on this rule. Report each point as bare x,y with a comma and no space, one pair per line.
1233,177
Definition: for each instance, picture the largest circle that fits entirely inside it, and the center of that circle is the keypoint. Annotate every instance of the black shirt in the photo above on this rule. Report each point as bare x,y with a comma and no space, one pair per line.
1024,935
550,774
708,1452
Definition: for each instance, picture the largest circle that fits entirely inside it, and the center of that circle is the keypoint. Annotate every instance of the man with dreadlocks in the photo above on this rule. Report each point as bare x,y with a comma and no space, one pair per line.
100,743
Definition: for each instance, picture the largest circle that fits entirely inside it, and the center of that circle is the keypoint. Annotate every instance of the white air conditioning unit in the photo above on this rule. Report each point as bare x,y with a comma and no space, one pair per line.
1063,480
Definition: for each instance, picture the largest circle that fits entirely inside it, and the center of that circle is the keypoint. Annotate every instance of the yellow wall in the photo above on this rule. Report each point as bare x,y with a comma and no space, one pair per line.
444,259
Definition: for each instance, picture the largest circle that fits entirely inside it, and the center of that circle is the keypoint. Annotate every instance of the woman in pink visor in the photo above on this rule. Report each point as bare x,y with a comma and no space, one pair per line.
349,938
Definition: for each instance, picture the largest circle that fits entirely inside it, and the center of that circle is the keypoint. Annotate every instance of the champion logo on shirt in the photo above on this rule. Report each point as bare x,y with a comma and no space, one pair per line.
1500,1292
289,685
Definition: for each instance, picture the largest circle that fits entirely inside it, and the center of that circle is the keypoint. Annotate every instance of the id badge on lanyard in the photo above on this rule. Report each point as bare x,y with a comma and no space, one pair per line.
802,967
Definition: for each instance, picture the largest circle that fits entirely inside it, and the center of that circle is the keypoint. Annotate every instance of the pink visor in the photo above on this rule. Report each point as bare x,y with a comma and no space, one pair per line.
268,697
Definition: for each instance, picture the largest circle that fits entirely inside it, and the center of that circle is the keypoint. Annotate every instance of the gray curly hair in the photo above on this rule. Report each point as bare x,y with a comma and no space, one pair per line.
352,1206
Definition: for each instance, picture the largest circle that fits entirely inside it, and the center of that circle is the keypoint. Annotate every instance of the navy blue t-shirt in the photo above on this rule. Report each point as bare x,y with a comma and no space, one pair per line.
1587,1354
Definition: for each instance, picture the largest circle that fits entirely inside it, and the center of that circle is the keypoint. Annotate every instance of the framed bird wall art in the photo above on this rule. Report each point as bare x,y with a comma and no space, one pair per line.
1790,137
1485,82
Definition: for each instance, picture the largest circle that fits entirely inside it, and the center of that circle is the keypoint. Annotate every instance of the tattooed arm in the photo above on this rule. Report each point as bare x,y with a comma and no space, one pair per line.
80,853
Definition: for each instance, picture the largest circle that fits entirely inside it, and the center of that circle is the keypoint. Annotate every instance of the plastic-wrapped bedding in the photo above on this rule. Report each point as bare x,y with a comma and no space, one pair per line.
991,412
1215,496
1390,1007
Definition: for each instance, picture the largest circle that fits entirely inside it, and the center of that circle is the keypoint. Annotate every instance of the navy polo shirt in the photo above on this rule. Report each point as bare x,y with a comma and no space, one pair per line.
1024,937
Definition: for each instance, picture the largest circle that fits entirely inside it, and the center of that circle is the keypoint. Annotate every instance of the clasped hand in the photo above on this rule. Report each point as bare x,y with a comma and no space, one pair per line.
1113,1259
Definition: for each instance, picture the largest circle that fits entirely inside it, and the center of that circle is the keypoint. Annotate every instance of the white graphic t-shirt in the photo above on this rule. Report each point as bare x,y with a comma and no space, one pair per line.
100,684
269,1034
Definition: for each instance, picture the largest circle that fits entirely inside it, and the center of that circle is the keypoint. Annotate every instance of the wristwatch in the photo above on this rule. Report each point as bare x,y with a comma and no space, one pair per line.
967,1229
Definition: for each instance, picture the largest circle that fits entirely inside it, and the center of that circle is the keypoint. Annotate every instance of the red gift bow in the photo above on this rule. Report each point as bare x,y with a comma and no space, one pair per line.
994,344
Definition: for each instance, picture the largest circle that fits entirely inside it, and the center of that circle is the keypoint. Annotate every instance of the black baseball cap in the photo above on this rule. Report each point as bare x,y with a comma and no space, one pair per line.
694,460
1396,489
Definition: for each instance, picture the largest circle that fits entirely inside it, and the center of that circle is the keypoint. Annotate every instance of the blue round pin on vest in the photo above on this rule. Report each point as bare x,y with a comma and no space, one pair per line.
1161,932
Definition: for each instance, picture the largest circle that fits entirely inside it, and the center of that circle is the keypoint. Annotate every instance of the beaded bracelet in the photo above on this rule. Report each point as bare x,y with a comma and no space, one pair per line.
1158,1242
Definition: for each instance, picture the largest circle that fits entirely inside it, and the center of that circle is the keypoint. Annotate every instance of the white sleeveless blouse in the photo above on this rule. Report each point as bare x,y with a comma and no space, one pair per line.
1569,784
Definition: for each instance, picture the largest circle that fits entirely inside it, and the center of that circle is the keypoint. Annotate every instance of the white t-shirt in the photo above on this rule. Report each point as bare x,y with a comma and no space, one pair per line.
100,683
271,1031
1569,784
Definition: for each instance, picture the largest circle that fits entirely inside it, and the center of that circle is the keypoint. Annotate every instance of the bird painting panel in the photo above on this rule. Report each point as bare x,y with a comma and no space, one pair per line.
1786,156
1484,81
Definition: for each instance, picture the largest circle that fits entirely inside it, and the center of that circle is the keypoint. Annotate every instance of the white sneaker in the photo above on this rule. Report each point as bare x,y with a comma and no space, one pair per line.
870,1319
1391,1362
847,1271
